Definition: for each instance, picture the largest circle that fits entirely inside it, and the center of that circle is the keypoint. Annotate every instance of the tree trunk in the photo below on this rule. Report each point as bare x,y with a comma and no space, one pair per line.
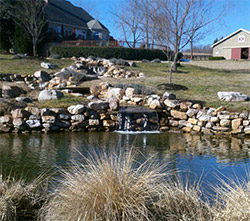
191,49
34,49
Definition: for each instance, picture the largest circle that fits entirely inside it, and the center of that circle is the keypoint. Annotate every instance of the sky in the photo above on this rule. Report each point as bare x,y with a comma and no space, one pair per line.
237,16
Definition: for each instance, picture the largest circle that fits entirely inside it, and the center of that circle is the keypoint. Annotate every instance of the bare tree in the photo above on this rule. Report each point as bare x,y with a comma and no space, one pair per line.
129,21
180,21
30,14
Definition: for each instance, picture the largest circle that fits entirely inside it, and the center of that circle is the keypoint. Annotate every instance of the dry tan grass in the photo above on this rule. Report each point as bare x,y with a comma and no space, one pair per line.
19,201
108,187
233,201
181,201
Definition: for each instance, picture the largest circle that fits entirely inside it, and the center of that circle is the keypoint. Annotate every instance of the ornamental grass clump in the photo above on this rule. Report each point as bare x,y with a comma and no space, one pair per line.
18,200
181,201
107,187
233,200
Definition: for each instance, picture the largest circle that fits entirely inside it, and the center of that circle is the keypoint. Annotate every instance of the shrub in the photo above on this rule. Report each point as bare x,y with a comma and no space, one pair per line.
216,58
108,52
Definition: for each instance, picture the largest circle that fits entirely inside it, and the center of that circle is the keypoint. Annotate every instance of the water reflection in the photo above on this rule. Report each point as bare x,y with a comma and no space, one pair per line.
29,155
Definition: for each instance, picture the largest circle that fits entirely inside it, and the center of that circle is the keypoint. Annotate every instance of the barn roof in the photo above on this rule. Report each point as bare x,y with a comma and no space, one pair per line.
229,36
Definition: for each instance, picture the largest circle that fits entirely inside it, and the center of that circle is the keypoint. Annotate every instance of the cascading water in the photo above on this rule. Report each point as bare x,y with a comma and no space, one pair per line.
132,119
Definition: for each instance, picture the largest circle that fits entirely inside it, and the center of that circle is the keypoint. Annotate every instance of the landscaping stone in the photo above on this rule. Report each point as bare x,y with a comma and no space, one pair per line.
42,75
50,95
24,99
225,123
98,105
33,124
113,103
232,96
236,123
178,114
78,118
47,65
172,103
192,112
76,109
11,91
94,122
20,113
115,92
169,96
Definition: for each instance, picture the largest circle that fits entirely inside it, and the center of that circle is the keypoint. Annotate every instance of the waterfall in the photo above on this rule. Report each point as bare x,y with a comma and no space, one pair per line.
138,119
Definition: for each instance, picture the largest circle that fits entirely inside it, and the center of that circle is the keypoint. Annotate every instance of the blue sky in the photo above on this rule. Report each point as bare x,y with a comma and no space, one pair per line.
238,16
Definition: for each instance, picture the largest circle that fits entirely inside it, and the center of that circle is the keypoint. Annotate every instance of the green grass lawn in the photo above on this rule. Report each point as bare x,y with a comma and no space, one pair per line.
8,65
202,83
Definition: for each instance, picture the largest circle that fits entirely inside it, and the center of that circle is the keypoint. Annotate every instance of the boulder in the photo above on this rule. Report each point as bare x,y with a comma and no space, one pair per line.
20,113
42,75
94,122
236,123
191,112
19,123
178,114
5,119
33,124
50,95
169,96
47,65
115,92
76,109
129,92
48,112
155,104
24,99
98,105
11,91
232,96
172,103
113,103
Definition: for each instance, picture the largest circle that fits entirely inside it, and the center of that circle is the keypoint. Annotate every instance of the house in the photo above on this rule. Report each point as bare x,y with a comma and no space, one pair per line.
68,22
234,46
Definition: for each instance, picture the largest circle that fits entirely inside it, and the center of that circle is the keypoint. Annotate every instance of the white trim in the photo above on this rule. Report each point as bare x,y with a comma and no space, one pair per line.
229,36
229,47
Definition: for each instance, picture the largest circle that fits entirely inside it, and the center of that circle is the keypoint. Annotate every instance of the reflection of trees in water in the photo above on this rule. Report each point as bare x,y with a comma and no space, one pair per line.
31,154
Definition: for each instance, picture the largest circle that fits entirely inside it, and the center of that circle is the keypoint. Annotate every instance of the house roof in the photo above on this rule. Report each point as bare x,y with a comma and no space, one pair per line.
95,25
62,11
229,36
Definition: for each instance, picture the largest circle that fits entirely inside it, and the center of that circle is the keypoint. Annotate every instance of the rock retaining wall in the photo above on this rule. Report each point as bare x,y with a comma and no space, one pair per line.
96,116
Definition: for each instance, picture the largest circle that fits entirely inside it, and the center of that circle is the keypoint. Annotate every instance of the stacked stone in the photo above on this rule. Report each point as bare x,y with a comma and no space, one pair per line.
112,68
92,117
209,120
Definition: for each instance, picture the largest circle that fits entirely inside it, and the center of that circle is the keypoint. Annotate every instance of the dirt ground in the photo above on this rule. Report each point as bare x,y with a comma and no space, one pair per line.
224,65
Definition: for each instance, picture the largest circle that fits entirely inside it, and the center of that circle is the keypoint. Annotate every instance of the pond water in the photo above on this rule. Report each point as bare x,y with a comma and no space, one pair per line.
196,157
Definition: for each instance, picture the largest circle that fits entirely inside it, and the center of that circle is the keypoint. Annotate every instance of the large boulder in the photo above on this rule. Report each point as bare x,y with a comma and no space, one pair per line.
50,95
232,96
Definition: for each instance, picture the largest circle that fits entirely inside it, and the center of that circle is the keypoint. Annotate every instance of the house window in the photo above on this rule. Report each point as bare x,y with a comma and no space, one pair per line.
96,36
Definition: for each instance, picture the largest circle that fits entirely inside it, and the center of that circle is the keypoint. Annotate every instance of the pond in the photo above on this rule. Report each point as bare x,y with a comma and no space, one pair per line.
194,156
